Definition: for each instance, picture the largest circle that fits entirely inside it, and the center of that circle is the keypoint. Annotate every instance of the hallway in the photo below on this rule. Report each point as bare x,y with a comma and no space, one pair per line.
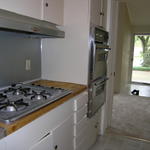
131,116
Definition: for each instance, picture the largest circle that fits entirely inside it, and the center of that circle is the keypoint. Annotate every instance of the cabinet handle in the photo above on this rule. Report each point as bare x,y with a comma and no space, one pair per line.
55,147
46,4
101,13
45,136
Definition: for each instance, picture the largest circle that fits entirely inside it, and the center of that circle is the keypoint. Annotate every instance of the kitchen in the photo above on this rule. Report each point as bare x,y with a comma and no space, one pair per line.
65,59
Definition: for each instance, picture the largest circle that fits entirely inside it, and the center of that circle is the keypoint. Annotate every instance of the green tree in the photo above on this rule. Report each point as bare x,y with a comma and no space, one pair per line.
145,41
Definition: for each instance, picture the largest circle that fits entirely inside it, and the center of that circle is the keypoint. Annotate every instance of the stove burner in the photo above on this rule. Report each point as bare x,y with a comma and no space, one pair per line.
40,95
21,91
21,99
11,106
2,97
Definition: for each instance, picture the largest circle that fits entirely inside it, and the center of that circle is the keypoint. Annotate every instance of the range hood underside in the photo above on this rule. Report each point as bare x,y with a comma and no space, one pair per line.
22,24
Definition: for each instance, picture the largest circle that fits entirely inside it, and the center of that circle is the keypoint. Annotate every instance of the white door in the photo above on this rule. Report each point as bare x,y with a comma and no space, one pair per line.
44,144
63,135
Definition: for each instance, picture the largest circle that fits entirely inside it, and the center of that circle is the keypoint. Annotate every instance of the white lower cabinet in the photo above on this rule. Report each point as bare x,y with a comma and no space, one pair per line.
60,138
45,143
2,144
63,135
85,129
45,132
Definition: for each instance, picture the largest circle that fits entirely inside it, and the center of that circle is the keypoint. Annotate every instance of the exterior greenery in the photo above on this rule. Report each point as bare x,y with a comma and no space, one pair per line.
141,68
145,42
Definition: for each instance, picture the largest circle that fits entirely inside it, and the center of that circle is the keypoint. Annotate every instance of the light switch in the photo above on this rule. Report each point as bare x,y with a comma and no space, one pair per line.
28,65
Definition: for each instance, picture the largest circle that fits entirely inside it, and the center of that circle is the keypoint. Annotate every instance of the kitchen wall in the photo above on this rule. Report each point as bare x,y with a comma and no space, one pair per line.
141,29
124,35
67,59
14,50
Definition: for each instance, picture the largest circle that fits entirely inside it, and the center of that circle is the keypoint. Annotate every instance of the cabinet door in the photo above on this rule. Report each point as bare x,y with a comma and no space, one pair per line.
63,135
103,13
30,8
44,144
53,11
95,11
2,144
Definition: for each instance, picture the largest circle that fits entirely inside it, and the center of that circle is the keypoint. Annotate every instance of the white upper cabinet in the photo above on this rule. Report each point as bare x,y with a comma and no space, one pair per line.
98,12
95,11
53,11
103,13
30,8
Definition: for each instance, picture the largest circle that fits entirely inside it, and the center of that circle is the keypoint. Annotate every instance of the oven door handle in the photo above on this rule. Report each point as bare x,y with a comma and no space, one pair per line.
102,82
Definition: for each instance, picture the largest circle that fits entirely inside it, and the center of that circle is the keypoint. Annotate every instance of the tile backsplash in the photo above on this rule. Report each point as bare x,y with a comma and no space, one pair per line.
15,49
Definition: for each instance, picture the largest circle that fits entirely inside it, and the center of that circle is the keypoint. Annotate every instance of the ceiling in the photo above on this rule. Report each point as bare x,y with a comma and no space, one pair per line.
139,12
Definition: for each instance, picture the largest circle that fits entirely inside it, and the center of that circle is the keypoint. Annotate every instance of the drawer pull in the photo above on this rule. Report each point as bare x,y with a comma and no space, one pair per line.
44,136
56,147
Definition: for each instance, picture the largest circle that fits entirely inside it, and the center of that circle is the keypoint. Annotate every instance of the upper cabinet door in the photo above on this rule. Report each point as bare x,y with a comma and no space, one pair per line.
30,8
53,11
95,11
103,13
99,12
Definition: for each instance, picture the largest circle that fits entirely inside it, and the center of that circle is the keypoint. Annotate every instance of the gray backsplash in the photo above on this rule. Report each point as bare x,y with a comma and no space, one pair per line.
14,50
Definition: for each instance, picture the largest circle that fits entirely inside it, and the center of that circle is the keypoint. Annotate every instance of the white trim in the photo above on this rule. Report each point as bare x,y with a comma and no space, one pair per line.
112,25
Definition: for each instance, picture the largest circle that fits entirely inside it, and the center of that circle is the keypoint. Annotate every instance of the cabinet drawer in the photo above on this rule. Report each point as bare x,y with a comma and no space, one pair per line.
81,136
80,101
80,126
43,144
84,145
80,114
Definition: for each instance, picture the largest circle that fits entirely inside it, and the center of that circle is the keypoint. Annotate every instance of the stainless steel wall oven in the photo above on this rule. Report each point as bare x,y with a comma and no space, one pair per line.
97,69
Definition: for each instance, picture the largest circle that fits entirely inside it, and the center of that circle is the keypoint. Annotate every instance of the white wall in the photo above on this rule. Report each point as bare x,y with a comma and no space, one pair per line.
141,29
67,59
124,35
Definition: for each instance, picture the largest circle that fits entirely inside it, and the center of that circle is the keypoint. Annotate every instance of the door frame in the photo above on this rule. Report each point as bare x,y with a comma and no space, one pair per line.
132,57
112,25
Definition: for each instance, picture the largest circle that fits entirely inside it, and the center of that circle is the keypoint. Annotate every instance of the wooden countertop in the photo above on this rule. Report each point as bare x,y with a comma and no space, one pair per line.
76,88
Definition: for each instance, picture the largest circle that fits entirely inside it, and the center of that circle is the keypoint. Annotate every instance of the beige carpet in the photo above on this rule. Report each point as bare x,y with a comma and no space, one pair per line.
131,115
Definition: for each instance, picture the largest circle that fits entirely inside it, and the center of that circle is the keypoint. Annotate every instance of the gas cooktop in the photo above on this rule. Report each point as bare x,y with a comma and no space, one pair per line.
22,99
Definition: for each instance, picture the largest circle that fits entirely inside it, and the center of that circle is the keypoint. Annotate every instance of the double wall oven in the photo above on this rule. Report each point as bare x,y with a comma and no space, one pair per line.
97,69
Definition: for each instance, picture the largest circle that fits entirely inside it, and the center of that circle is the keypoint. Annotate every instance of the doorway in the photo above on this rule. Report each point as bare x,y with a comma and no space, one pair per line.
141,59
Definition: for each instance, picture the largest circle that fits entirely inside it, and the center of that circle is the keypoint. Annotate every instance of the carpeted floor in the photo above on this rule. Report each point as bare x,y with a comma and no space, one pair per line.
131,115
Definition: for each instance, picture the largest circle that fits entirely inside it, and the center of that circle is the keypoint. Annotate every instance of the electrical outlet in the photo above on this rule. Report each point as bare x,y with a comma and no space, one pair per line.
28,65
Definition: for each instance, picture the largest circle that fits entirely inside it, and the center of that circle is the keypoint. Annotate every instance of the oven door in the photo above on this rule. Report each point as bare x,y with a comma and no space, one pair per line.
96,96
98,61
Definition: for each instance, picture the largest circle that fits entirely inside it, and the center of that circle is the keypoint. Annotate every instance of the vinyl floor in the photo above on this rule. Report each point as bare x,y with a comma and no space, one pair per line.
117,142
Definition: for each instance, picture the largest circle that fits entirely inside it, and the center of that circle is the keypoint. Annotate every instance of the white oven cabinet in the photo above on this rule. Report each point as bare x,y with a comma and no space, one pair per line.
46,131
30,8
53,11
86,129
